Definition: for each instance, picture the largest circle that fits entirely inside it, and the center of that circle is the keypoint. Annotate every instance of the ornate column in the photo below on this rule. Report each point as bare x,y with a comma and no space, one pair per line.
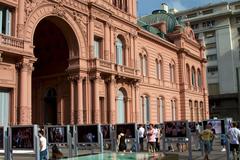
96,111
91,36
80,101
133,114
21,16
29,82
137,105
112,98
112,44
71,100
25,109
127,54
88,101
205,91
107,41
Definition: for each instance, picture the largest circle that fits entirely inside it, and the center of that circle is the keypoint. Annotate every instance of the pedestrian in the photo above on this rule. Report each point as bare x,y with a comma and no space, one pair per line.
156,132
214,133
234,136
196,138
141,135
223,142
43,145
122,146
151,139
56,153
207,137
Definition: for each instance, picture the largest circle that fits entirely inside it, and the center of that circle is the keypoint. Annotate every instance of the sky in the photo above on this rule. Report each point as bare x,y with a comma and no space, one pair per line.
146,7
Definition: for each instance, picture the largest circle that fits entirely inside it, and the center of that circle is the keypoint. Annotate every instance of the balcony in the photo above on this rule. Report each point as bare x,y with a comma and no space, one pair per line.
108,67
15,45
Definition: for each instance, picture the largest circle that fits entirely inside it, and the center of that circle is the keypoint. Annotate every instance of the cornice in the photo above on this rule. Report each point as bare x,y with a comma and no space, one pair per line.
158,39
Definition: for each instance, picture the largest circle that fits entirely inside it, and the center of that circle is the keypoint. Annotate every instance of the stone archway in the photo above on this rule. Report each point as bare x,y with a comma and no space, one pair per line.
55,42
76,23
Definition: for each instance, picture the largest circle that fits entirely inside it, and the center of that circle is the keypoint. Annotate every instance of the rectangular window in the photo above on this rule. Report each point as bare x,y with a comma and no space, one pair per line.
208,23
97,47
238,19
192,15
213,89
238,29
4,107
237,7
196,35
194,26
5,20
212,69
207,11
210,45
212,57
209,34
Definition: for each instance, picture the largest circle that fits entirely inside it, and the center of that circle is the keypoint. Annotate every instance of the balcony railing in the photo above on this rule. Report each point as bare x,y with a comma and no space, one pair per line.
11,41
109,67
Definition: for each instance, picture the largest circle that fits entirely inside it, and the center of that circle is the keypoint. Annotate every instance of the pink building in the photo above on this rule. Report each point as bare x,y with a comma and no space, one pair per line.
92,61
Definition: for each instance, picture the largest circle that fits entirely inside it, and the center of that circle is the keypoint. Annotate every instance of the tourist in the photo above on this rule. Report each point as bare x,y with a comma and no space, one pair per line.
151,139
214,133
56,153
121,141
157,134
43,146
234,136
207,137
141,135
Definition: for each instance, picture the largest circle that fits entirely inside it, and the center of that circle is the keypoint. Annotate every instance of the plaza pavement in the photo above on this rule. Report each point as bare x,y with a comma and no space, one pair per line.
216,154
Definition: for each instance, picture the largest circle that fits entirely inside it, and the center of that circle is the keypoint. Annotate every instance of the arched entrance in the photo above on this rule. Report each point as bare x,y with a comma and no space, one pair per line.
121,107
55,43
50,107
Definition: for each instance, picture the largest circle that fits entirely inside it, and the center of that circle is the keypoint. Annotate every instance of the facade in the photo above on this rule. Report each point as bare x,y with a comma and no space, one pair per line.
219,25
92,61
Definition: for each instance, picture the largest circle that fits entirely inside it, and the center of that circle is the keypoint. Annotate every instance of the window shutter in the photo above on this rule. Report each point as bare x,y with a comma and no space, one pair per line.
8,22
1,19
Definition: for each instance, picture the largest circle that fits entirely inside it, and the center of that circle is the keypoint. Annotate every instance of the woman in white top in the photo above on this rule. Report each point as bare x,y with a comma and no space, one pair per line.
43,146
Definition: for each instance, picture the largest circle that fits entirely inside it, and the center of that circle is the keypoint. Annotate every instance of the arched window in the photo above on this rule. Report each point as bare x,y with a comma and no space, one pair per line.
188,75
172,73
170,69
196,111
145,66
199,78
125,2
158,69
119,52
201,112
141,63
173,109
193,77
120,107
191,110
141,108
160,110
114,2
121,4
145,109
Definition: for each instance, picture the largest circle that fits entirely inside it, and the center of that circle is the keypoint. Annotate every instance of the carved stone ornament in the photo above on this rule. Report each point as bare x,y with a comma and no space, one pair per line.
59,9
30,5
82,21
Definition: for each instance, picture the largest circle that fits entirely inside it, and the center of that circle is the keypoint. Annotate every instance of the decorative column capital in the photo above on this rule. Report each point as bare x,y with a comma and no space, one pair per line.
24,66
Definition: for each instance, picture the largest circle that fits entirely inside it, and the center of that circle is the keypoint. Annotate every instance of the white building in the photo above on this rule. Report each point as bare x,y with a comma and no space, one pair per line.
219,25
